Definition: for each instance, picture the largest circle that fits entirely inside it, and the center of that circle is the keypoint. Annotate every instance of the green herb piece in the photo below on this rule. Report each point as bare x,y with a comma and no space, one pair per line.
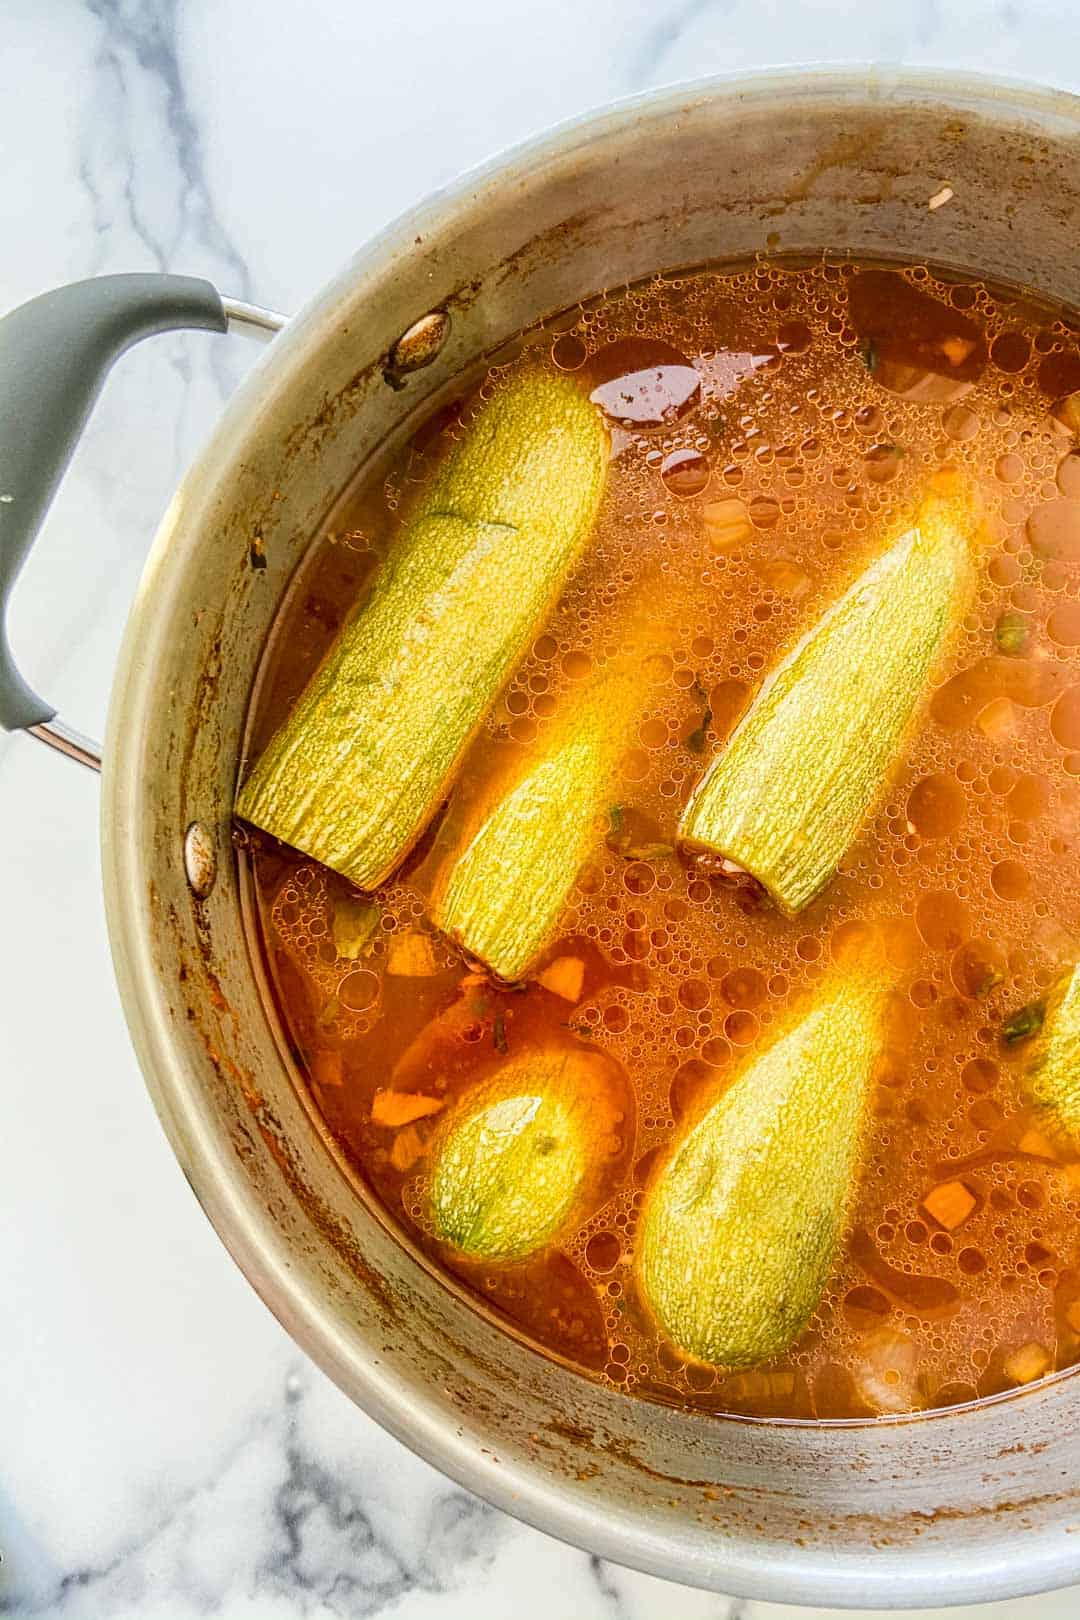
352,925
989,981
633,836
870,356
1023,1023
1011,633
498,1034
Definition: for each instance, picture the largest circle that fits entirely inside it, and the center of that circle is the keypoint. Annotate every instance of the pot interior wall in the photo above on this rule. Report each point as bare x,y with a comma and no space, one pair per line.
785,165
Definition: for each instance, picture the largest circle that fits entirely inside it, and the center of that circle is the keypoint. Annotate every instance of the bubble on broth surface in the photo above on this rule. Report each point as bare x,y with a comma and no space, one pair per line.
685,472
569,352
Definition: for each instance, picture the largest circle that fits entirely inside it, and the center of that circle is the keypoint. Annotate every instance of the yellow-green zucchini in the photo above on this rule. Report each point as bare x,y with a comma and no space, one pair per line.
355,772
742,1223
511,1163
794,784
1053,1068
502,897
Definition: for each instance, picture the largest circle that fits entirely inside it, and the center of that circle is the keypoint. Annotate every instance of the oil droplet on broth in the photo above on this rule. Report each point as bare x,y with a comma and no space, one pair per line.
778,420
569,352
1011,880
1068,476
961,422
1054,530
936,806
1063,624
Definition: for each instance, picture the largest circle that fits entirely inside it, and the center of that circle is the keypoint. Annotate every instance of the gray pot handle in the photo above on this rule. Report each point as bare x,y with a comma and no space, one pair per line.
55,353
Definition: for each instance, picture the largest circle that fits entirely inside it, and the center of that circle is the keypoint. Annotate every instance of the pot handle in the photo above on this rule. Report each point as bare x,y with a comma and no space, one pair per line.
55,353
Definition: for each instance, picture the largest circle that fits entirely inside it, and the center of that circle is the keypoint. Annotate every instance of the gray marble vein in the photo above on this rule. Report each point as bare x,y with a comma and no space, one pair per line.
30,1585
139,162
627,1596
311,1540
142,163
605,1585
140,39
648,61
326,1545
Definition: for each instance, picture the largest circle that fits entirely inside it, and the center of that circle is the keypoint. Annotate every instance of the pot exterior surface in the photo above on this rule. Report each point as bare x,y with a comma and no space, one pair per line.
973,1504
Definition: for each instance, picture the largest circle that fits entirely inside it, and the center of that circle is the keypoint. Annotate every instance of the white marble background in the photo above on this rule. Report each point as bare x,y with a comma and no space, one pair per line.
165,1451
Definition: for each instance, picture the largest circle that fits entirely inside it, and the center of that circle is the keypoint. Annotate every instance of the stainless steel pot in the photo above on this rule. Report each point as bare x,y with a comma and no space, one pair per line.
961,1506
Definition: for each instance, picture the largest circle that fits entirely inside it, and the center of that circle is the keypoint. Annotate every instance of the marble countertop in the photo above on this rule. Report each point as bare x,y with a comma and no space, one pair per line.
166,1451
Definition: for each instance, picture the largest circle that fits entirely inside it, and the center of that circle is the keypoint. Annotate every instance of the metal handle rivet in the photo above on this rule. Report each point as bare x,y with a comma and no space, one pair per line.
200,860
418,346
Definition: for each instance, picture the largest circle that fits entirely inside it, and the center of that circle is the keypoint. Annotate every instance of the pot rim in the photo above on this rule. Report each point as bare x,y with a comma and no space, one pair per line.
842,1577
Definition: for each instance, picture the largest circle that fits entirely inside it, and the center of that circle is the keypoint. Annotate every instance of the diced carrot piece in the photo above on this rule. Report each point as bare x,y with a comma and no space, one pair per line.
394,1108
998,719
408,1146
950,1203
957,349
1028,1363
1072,1315
1036,1143
785,576
727,524
410,955
564,977
326,1068
439,1046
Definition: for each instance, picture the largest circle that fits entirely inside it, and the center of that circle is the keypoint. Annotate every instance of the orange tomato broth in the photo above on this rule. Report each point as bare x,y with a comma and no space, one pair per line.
772,423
